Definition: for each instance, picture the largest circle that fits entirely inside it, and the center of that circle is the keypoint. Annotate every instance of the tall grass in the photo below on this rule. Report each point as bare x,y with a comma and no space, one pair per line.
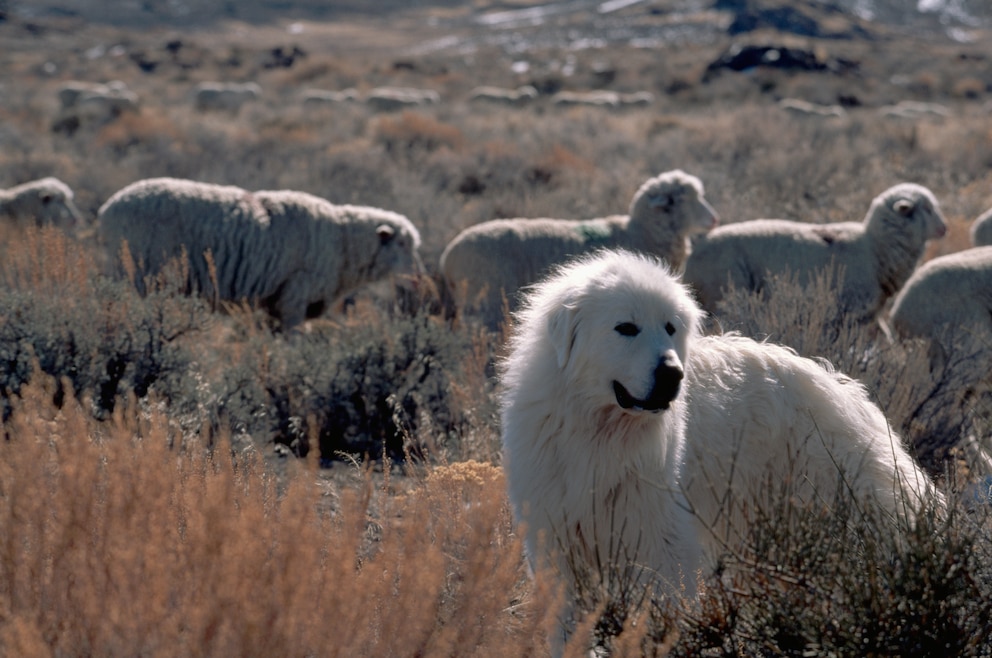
116,544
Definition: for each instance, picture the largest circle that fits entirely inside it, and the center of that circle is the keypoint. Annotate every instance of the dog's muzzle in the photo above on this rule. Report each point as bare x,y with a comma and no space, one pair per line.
667,379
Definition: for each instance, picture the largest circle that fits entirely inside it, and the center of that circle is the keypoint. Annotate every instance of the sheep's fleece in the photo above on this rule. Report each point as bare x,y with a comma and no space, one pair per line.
874,257
493,259
948,299
293,252
46,201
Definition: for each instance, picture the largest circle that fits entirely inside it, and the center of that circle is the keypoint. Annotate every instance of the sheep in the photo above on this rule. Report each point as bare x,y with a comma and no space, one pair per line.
386,99
293,252
498,95
225,96
588,98
873,257
981,230
323,97
493,259
636,98
915,110
805,108
948,304
47,201
94,103
948,299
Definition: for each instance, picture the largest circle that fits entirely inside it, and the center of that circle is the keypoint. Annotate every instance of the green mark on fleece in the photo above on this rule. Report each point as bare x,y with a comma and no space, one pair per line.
593,232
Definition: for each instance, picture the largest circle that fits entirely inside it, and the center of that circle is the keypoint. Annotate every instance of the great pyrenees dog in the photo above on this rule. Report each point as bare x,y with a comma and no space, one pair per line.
629,437
593,423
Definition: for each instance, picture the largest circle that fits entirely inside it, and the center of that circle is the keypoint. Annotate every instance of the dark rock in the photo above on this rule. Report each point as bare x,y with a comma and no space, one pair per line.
746,57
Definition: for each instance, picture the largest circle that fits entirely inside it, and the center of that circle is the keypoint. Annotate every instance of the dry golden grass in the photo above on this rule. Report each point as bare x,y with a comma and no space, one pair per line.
116,544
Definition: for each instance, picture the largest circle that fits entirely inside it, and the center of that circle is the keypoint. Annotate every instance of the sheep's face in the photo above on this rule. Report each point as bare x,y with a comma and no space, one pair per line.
676,200
621,335
397,254
46,204
910,209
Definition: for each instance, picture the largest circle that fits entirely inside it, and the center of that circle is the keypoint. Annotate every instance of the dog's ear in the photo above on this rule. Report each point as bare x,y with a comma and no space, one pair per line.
561,330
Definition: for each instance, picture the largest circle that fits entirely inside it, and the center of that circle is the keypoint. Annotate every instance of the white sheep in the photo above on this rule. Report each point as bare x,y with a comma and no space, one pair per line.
636,99
225,96
385,99
95,103
47,201
293,252
492,260
949,298
915,110
874,257
599,98
323,97
501,96
805,108
981,230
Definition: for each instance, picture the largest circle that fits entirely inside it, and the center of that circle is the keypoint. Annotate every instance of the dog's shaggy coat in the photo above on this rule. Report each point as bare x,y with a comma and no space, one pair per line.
593,423
766,425
632,440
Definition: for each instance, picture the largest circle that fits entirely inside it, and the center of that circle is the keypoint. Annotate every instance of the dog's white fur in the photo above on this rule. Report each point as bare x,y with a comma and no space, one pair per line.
595,477
764,423
594,482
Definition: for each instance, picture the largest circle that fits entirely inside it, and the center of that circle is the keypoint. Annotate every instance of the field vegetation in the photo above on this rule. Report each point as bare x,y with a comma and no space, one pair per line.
179,477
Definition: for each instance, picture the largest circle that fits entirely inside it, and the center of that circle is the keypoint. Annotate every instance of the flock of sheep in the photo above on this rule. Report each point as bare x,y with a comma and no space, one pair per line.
297,255
97,103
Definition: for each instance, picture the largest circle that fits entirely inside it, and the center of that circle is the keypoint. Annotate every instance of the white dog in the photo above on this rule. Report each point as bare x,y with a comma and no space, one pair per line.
764,422
618,417
593,423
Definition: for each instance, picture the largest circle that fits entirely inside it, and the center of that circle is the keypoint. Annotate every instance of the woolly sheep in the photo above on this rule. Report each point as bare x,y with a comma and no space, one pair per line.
588,98
322,97
396,98
494,259
981,230
636,98
70,93
95,102
805,108
293,252
915,110
47,201
947,299
876,255
225,96
498,95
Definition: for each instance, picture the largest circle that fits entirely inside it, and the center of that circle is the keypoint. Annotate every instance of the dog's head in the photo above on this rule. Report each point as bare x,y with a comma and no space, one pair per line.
620,326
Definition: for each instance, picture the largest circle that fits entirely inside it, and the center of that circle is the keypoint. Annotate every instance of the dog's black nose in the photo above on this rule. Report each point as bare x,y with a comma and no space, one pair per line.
668,375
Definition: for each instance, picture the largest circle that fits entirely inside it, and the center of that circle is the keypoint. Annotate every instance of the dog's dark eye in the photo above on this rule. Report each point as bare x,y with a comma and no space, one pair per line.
627,329
670,328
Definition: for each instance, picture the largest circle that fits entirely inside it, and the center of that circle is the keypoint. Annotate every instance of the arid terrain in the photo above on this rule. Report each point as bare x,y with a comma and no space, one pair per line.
367,444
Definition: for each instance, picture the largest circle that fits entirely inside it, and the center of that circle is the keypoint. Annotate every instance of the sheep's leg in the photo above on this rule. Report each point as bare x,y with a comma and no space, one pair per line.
289,304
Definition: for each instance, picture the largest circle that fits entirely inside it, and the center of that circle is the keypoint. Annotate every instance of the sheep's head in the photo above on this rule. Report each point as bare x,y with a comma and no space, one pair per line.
47,201
673,201
908,210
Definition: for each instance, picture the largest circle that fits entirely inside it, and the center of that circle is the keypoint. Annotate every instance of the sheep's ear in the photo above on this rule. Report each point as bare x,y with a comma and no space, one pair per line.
904,207
661,200
561,330
385,233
